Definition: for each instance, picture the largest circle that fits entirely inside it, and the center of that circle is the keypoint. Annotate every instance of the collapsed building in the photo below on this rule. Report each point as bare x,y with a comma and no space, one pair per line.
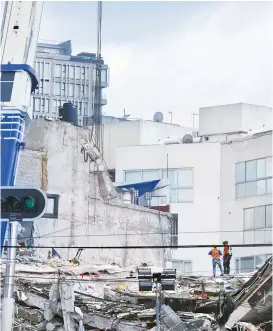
52,294
61,159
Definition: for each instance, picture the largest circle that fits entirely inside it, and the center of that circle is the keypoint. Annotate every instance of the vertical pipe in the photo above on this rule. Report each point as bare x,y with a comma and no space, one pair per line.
157,309
8,300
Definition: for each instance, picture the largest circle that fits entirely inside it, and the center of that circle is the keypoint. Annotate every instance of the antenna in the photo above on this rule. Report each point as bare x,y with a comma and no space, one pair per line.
158,117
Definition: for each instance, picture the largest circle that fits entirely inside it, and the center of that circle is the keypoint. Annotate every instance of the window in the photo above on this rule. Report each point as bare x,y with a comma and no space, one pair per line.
150,175
258,225
78,73
250,263
57,88
133,176
180,180
254,178
58,70
247,264
71,72
182,267
71,90
174,230
7,79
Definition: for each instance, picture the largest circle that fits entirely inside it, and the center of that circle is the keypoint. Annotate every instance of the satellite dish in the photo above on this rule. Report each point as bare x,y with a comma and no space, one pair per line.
187,139
158,117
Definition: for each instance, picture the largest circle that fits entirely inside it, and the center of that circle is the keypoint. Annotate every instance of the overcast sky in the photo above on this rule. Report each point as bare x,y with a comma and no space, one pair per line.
173,56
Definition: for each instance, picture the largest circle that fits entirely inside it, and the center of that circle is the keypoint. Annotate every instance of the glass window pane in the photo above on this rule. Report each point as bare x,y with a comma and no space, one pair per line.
171,175
259,236
133,176
261,173
150,175
237,266
268,215
269,186
250,189
269,166
268,236
249,218
240,172
240,191
185,178
259,217
248,237
187,267
260,260
261,187
184,195
174,195
250,170
247,264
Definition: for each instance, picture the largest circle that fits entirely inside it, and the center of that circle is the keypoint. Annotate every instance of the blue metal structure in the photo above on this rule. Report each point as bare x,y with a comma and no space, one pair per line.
12,133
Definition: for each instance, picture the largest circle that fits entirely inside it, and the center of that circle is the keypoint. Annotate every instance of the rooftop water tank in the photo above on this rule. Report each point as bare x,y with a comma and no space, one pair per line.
69,113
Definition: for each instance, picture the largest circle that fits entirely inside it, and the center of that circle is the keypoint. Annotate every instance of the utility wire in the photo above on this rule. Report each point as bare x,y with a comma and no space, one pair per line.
142,247
143,234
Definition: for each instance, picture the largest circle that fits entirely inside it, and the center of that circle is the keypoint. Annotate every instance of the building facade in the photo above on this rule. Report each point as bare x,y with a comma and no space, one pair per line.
220,185
63,78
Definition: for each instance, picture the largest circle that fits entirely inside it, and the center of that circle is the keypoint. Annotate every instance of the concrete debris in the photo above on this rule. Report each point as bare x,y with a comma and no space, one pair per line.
51,294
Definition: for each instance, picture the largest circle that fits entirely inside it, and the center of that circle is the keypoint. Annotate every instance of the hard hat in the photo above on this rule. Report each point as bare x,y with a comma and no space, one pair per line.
214,244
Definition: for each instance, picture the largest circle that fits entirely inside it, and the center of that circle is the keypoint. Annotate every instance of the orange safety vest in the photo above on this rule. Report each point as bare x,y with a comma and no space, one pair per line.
215,253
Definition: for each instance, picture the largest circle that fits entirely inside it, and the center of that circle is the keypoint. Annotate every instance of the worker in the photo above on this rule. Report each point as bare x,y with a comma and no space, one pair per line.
227,257
216,259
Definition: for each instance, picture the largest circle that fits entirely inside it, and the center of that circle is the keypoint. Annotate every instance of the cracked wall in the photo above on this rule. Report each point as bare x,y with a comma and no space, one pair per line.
53,160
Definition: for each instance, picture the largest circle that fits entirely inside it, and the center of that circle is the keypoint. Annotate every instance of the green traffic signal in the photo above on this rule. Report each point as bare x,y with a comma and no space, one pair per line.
29,202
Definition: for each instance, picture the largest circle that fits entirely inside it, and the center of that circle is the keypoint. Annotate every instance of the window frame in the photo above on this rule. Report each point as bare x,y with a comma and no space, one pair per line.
267,228
256,256
244,183
173,188
174,231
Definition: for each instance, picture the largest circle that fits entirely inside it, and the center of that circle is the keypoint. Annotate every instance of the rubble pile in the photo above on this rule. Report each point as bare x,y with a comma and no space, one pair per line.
53,294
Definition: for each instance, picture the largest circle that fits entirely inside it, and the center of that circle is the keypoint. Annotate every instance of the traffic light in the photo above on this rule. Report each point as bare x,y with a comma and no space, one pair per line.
30,203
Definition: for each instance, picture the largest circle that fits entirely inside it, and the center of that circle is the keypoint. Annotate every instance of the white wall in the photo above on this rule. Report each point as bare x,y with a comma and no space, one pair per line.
152,132
200,216
220,119
233,118
256,117
231,208
139,132
125,133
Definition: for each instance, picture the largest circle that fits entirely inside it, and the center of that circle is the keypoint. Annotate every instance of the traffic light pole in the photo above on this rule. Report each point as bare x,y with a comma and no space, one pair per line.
8,300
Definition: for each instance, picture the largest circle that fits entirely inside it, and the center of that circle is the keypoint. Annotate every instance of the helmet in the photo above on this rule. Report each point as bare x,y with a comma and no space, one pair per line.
214,244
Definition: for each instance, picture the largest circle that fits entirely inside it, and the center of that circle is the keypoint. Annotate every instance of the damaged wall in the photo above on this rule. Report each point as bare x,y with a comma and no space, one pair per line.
53,161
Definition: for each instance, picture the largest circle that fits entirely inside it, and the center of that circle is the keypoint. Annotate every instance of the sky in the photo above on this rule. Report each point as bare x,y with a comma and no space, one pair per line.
173,56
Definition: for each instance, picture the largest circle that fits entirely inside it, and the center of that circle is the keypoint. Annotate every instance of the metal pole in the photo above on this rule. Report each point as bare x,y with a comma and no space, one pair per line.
8,300
157,309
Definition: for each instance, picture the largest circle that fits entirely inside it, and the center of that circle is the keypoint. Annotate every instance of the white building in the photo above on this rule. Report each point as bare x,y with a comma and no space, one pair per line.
221,186
136,132
63,78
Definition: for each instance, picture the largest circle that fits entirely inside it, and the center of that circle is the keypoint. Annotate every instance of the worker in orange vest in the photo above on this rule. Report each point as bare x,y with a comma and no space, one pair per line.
216,259
227,257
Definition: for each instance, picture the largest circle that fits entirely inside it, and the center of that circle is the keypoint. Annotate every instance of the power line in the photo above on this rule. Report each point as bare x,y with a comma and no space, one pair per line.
143,234
142,247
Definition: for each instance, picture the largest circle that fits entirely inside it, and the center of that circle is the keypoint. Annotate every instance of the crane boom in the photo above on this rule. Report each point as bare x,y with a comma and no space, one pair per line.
19,36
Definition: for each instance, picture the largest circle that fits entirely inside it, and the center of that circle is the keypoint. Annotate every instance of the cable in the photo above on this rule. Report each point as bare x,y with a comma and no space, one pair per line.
143,233
142,247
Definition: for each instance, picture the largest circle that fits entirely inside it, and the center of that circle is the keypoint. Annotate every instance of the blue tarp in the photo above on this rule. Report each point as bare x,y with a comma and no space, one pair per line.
142,187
